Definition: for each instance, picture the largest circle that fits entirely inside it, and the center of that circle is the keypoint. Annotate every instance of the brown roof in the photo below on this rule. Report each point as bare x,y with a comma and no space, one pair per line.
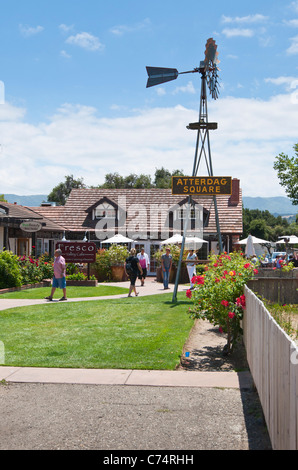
144,206
16,212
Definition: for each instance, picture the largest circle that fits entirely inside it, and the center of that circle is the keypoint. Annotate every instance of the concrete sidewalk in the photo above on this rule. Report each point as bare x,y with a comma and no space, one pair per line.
162,378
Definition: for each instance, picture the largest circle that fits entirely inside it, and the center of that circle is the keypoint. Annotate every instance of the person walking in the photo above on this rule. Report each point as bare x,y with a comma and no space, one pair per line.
191,266
132,268
144,263
59,278
166,265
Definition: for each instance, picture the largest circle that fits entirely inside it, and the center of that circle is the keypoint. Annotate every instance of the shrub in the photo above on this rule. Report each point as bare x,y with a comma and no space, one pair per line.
10,275
175,252
218,294
117,254
102,265
45,264
76,277
30,271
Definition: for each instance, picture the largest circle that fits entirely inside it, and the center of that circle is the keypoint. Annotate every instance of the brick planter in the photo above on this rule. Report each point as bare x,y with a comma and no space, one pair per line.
27,286
86,283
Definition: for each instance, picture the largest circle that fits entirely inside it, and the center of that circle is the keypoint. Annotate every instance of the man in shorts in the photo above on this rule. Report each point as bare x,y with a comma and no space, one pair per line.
59,279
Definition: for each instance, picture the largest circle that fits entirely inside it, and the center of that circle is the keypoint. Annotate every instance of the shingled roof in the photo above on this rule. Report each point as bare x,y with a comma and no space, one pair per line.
16,213
140,204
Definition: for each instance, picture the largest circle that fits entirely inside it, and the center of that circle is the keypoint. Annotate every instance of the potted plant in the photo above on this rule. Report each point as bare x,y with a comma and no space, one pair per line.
117,255
102,266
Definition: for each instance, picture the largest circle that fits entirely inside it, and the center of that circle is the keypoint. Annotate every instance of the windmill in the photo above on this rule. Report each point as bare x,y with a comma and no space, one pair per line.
209,79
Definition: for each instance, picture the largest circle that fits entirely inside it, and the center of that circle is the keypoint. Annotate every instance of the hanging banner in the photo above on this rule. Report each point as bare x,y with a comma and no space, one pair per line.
202,185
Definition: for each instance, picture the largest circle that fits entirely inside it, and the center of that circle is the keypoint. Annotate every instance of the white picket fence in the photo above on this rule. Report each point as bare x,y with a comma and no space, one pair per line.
273,360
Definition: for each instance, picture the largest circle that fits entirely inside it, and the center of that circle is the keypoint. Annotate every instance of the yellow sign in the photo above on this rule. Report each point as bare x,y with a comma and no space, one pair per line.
202,185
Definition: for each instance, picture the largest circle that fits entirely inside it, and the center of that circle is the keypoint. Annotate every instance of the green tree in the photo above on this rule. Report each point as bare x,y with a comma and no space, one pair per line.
163,177
113,181
60,193
2,198
263,224
287,172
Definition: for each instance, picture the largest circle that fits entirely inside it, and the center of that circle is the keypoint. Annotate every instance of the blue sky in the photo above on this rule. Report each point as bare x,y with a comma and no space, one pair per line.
76,100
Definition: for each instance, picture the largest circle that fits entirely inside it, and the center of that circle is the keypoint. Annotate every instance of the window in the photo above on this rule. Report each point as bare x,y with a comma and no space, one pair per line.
183,211
105,210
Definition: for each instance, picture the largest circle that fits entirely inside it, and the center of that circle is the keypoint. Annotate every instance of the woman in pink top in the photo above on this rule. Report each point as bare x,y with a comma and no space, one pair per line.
59,279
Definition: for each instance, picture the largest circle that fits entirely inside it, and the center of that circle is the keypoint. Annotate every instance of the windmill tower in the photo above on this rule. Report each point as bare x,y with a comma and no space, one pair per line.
209,80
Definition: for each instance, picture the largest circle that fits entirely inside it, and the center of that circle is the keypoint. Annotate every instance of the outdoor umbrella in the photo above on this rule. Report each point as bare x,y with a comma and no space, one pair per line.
118,238
290,239
177,238
249,249
255,241
194,243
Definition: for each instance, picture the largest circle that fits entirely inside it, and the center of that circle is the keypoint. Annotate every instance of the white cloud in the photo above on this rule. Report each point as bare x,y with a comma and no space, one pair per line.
257,18
282,80
251,133
65,54
66,28
28,31
86,41
123,29
233,32
294,5
293,23
189,88
293,49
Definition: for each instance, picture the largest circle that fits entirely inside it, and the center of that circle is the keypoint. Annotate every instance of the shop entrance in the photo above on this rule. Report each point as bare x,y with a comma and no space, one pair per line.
150,249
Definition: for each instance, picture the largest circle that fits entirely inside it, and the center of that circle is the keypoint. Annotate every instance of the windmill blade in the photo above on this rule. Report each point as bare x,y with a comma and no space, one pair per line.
158,75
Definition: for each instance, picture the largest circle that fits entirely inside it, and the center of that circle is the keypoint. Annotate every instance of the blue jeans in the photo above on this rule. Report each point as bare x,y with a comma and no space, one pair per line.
166,275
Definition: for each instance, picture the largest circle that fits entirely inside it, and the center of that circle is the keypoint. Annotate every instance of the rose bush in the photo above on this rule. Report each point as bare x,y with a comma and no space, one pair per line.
218,294
35,270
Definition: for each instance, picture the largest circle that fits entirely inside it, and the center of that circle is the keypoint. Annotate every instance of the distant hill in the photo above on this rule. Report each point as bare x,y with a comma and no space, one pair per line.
275,205
30,201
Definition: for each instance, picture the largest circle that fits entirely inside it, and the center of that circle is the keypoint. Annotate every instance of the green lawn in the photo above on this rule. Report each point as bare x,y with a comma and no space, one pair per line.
71,292
139,333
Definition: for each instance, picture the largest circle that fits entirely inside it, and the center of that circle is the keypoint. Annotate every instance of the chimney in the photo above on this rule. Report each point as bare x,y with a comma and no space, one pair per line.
235,196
